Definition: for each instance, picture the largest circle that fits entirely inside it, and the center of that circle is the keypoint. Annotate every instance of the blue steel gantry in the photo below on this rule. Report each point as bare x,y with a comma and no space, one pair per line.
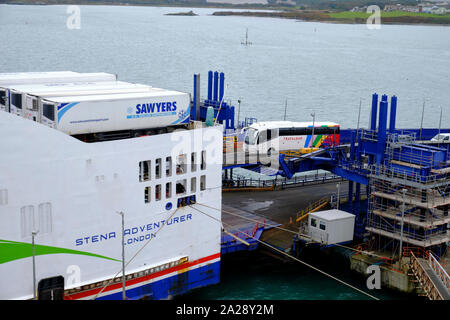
408,184
223,111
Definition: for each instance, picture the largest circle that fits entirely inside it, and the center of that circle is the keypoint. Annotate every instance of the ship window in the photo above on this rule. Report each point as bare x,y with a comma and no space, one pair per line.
144,170
313,223
158,168
27,220
203,165
3,196
16,100
45,217
48,111
202,183
182,164
181,186
168,190
158,192
322,225
193,184
2,97
168,166
186,201
148,191
194,161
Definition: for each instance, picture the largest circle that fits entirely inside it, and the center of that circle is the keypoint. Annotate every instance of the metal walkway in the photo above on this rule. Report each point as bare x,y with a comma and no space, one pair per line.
431,276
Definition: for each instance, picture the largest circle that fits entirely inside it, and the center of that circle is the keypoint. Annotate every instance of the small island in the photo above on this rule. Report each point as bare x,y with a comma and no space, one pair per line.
189,13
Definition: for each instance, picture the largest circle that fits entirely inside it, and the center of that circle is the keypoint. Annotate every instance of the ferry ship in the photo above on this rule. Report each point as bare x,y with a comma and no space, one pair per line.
61,207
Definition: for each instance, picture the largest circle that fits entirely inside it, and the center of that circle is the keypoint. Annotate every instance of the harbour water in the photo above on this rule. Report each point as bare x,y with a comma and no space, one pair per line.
267,278
318,67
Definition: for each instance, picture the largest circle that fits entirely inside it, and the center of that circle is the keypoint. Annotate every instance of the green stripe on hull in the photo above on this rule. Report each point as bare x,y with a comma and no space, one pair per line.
12,250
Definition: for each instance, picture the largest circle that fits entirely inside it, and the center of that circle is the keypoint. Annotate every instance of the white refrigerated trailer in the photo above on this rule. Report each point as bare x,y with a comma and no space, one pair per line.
13,103
97,117
31,93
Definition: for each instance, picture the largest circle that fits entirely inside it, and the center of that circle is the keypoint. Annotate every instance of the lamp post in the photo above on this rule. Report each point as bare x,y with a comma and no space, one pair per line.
401,226
33,234
338,185
239,110
123,256
421,122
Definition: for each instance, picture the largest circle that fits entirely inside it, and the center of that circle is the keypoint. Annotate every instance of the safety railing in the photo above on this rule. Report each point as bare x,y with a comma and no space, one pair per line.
427,284
406,174
409,234
432,261
412,214
317,205
240,181
439,270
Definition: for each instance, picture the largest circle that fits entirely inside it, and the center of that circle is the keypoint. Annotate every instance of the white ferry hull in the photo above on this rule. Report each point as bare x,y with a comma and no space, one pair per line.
71,193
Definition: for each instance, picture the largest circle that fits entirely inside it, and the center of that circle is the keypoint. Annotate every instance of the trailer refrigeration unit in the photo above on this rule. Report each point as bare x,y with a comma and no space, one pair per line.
32,93
110,116
13,103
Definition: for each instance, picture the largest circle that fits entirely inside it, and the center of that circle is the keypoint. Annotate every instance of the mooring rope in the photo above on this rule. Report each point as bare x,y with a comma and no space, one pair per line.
288,255
293,232
134,256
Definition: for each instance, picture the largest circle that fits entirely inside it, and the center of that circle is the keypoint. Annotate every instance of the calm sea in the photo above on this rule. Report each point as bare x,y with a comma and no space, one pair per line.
317,67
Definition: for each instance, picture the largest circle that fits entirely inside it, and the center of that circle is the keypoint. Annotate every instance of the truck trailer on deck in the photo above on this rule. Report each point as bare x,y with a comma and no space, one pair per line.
13,103
32,93
93,117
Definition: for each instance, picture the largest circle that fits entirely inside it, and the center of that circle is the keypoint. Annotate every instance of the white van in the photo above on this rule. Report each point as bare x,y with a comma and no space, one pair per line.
441,137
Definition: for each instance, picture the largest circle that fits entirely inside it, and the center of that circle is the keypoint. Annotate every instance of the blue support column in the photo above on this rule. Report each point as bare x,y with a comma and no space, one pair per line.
194,103
350,195
222,86
216,86
232,118
210,85
393,114
382,131
373,118
352,146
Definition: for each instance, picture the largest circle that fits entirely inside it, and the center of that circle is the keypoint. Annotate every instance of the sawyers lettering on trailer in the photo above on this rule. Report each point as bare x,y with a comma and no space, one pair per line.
158,106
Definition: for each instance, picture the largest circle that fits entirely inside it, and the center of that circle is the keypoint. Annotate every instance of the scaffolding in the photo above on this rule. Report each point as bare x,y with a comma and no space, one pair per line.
410,194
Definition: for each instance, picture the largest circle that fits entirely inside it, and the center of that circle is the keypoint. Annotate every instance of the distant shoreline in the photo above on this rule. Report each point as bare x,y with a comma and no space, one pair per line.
343,17
326,16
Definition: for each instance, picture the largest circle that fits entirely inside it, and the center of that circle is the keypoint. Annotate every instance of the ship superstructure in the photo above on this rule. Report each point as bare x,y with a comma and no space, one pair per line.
68,194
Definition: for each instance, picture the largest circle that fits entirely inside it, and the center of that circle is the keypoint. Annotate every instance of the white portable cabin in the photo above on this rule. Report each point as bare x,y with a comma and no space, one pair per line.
12,103
331,226
75,115
31,93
